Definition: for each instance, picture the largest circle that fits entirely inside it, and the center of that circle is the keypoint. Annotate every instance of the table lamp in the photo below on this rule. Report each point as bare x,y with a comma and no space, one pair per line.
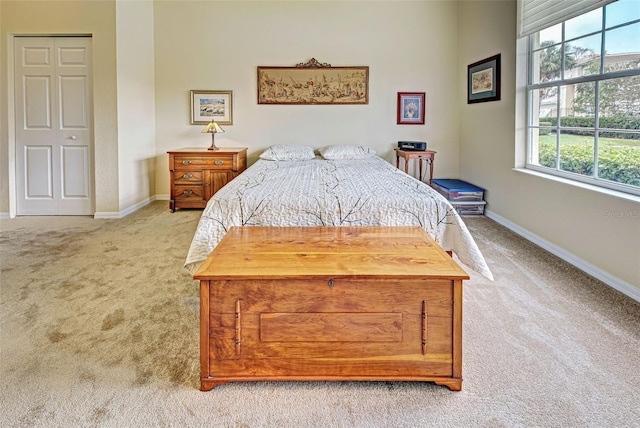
212,128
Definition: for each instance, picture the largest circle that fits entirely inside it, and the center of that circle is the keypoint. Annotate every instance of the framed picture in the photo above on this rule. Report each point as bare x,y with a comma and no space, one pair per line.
411,108
211,105
312,83
483,80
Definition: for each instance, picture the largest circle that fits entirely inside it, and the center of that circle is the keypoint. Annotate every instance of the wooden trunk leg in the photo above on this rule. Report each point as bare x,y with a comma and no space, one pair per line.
209,384
452,384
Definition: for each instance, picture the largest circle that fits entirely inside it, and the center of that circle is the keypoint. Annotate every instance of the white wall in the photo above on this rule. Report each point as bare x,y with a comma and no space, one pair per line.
136,104
408,46
577,223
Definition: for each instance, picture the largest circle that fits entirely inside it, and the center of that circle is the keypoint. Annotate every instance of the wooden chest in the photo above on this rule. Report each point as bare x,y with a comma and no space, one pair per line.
198,173
330,303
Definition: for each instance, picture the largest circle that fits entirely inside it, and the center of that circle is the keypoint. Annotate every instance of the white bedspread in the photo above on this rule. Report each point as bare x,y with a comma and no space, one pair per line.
318,192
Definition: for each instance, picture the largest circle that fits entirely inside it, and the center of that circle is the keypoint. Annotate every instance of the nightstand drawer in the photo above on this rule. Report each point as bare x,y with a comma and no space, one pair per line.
185,193
187,177
208,162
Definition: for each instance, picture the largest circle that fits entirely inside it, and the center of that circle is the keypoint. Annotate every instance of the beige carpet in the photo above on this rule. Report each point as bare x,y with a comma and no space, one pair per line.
99,327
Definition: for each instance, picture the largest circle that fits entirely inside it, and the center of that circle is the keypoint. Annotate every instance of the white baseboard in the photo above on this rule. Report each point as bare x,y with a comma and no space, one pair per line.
611,280
109,214
120,214
117,214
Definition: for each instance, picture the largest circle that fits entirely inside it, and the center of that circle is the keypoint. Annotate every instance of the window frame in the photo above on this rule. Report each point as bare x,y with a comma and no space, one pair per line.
563,82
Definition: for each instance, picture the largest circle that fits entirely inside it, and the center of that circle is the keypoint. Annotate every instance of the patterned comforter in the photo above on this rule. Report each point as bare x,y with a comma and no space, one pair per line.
318,192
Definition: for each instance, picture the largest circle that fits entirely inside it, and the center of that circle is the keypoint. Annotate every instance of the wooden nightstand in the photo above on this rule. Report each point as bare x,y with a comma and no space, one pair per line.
198,173
407,155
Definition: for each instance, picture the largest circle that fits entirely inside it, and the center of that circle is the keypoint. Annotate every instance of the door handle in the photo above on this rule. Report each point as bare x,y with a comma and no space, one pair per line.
73,137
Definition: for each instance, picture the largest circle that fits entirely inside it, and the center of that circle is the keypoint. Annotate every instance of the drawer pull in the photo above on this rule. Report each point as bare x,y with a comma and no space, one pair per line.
238,338
187,176
330,283
424,327
186,162
219,162
188,193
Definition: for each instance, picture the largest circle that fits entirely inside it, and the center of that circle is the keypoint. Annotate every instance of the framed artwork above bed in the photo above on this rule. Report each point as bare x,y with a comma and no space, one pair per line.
313,82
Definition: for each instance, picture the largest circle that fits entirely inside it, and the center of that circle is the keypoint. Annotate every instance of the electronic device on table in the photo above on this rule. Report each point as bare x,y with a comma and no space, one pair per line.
412,145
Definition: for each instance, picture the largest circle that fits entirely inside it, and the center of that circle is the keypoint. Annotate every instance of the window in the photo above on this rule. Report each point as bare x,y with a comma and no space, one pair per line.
583,97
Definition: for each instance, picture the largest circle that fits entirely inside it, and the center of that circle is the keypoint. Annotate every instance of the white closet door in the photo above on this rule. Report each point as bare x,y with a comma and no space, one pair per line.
53,126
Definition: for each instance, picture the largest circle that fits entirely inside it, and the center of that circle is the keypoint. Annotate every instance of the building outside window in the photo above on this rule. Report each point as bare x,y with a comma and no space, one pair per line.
584,97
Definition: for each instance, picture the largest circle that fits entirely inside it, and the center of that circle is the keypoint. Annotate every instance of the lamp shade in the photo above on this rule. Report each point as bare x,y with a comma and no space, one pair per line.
212,128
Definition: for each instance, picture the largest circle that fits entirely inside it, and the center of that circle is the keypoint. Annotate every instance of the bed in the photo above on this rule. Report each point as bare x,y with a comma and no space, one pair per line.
345,185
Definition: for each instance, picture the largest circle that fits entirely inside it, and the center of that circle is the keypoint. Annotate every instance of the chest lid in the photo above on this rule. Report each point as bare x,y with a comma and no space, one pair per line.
393,252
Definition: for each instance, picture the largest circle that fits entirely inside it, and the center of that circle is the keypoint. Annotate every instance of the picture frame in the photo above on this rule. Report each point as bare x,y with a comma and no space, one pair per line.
211,105
313,83
411,108
483,80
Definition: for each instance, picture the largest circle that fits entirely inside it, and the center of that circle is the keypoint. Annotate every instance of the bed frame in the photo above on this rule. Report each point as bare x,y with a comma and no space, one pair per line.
330,303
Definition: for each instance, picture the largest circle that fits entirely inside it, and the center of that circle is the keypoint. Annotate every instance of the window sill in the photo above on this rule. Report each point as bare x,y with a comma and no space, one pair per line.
602,190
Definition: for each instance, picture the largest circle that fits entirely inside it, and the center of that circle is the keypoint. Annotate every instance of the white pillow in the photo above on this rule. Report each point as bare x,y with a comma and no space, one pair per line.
346,151
288,152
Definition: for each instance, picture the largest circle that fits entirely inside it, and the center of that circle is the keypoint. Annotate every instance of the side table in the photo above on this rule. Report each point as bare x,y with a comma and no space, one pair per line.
407,155
197,173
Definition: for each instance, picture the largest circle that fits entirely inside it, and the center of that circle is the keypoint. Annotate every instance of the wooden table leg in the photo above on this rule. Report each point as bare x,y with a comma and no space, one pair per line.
431,168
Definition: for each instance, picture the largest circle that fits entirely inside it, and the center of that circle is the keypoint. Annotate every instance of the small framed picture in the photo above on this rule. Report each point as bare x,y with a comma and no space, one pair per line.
411,108
211,105
483,80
